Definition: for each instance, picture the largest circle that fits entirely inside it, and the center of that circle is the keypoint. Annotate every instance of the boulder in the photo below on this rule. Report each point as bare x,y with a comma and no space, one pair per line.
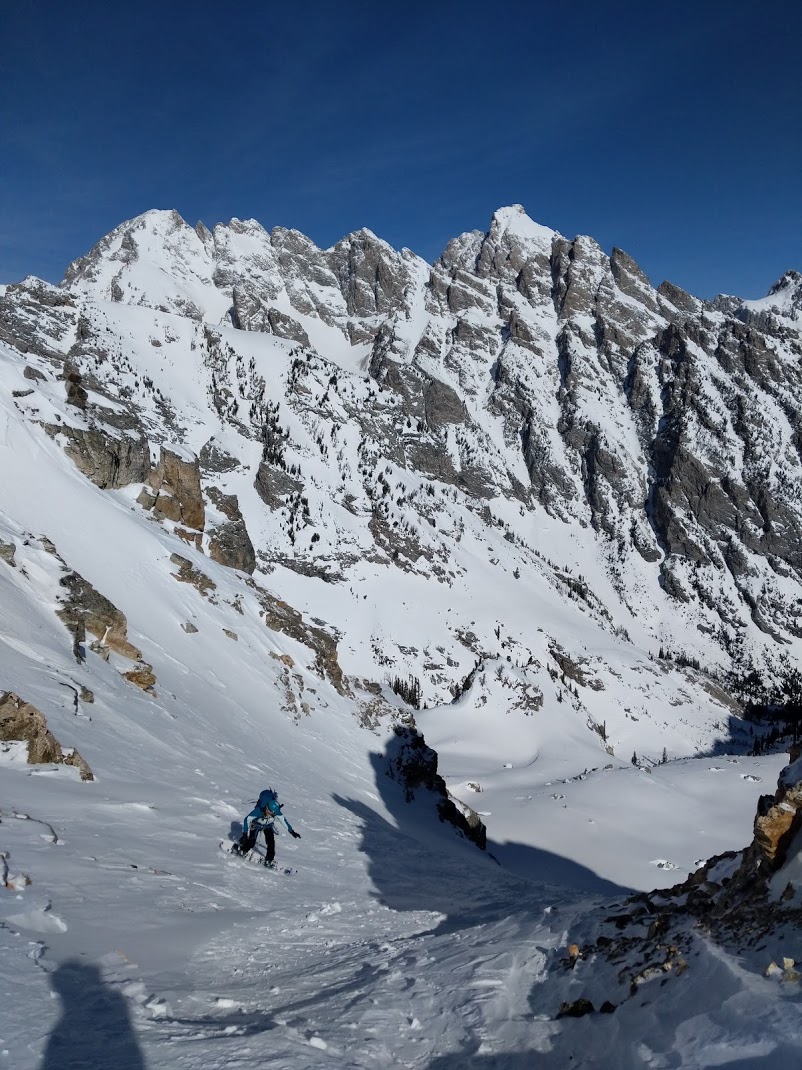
76,395
19,720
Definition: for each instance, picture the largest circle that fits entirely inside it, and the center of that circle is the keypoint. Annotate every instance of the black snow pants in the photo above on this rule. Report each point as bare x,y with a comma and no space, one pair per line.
248,841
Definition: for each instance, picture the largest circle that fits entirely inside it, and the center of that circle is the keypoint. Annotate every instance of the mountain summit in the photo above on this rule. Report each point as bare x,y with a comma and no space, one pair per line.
523,368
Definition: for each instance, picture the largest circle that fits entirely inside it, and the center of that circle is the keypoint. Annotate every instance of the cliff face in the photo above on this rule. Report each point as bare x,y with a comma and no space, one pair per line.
639,436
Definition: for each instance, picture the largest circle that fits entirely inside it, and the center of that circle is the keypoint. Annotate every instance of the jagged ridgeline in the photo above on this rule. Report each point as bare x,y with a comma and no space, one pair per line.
526,401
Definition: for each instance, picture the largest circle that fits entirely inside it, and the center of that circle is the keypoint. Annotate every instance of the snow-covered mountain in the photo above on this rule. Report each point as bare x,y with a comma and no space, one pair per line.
265,508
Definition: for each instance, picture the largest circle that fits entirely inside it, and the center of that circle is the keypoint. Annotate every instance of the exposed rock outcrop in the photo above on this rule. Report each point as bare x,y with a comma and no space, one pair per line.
281,617
229,543
85,609
738,899
414,765
187,573
76,395
19,720
108,461
177,487
273,484
37,318
214,459
142,676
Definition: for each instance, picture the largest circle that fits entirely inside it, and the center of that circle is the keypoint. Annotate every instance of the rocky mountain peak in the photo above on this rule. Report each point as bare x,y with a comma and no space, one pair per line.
513,219
522,366
790,281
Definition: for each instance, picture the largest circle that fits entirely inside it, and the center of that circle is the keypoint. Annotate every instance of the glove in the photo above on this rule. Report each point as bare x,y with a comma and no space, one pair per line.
295,835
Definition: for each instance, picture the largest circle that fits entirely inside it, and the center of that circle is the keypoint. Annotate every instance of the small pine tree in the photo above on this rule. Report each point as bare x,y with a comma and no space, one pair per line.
634,758
664,757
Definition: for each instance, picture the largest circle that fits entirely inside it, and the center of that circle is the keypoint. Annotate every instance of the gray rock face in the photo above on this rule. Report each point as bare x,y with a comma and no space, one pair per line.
38,318
273,484
108,462
229,543
279,323
214,459
679,298
76,395
442,405
371,276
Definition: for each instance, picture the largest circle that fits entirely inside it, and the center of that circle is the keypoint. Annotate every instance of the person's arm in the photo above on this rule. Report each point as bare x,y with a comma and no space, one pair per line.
295,835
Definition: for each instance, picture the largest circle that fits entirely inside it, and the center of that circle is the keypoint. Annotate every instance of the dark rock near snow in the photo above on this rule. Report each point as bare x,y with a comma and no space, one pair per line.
273,484
414,765
229,543
577,1009
107,461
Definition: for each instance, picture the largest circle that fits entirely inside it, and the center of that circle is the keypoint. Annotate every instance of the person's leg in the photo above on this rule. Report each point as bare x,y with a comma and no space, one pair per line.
246,842
270,844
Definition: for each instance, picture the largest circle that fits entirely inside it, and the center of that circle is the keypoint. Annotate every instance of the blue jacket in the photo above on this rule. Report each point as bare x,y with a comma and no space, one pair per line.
266,813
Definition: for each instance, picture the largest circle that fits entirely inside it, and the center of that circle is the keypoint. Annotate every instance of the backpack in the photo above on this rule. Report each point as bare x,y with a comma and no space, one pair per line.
268,802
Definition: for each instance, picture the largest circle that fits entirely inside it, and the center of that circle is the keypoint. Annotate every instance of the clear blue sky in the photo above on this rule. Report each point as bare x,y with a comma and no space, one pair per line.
673,131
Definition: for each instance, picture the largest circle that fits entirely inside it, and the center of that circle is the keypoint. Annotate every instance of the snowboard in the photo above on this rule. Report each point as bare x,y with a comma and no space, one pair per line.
255,858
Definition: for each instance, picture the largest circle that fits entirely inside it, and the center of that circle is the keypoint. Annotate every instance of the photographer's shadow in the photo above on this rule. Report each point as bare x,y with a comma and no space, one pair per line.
94,1028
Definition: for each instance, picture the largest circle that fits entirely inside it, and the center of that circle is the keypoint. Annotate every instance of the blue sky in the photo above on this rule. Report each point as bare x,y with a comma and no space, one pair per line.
672,131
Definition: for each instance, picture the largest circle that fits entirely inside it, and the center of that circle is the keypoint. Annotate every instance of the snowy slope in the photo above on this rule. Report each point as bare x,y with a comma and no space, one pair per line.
373,440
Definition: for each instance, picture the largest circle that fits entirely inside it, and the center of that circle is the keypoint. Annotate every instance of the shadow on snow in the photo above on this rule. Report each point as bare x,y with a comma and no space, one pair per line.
422,863
94,1029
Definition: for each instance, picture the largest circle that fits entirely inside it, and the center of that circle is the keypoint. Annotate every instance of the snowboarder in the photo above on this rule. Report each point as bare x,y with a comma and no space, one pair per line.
264,816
